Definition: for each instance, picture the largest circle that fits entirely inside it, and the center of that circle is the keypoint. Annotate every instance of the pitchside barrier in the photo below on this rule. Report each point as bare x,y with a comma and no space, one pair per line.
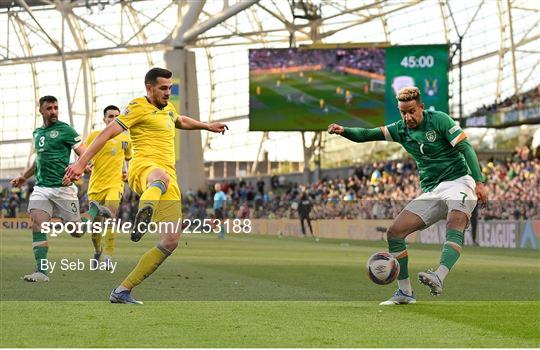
494,233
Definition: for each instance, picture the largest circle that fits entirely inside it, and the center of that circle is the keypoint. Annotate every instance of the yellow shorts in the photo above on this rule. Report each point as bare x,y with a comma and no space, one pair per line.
170,205
110,197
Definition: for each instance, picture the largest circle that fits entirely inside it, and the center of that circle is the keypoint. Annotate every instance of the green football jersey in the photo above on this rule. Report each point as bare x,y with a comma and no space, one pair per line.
53,148
431,145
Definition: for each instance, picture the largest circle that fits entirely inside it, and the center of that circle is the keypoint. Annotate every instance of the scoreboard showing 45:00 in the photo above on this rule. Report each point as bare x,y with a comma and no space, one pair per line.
424,66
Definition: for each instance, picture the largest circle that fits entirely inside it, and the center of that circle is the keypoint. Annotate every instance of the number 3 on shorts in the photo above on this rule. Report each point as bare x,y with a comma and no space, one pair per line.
73,207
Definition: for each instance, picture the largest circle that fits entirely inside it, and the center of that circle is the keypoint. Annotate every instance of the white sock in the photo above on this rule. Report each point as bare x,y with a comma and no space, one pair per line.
442,271
120,289
405,286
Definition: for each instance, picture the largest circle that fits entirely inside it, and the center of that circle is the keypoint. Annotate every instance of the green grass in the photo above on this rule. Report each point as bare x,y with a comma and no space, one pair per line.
252,291
365,110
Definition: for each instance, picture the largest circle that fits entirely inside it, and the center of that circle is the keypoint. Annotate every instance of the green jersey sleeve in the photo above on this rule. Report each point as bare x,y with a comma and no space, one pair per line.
363,135
450,129
472,160
71,137
391,131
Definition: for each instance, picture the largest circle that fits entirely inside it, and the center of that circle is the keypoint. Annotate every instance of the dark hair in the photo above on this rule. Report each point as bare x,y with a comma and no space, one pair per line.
47,98
109,108
155,73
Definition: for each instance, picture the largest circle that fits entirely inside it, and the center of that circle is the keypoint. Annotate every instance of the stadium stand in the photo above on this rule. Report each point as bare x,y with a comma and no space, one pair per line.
366,59
373,191
516,102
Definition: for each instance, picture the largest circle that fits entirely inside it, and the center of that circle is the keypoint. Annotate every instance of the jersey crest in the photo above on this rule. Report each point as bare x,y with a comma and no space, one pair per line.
54,134
431,136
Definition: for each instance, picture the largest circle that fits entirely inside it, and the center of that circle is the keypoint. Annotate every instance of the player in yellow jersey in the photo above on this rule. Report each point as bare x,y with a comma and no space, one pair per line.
106,187
151,120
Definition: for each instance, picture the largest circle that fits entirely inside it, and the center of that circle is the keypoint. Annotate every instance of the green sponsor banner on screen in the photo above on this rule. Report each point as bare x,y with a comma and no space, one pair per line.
423,66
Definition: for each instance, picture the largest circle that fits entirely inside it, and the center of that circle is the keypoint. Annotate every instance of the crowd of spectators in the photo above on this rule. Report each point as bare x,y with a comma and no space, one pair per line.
367,59
377,191
515,102
13,200
371,60
373,191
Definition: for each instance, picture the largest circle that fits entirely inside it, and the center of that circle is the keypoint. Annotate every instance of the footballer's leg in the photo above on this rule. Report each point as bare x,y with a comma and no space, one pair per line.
455,226
40,209
168,215
40,246
94,210
460,201
148,263
406,223
66,202
96,236
156,184
112,201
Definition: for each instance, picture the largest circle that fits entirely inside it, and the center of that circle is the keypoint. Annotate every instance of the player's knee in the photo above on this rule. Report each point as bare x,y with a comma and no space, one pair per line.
164,178
159,179
36,226
36,223
37,220
170,242
394,232
457,220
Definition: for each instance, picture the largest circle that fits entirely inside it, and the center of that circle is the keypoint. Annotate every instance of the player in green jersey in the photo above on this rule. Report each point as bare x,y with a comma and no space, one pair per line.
53,144
450,178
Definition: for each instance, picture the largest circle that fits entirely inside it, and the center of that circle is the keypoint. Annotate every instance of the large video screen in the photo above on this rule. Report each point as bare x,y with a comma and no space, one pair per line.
308,89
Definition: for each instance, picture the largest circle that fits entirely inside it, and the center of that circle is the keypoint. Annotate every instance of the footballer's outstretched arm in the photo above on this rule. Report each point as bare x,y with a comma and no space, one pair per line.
358,134
27,173
187,123
74,171
80,150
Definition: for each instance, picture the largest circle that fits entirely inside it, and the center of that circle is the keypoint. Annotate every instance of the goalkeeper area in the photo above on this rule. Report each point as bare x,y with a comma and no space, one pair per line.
267,291
377,86
313,99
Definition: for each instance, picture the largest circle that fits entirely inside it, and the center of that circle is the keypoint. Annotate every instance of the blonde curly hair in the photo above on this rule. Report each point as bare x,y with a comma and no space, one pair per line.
409,93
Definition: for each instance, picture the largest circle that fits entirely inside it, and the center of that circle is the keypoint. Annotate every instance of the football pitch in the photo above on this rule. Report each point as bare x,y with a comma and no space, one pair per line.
295,103
266,291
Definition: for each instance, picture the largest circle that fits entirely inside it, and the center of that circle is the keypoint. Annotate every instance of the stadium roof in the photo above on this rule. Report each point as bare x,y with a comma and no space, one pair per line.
91,53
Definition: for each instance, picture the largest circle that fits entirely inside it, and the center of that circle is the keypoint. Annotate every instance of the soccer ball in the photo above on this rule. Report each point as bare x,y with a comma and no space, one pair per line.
382,268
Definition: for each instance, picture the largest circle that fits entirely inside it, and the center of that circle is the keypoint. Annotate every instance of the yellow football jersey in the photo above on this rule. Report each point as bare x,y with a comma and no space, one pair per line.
152,132
108,162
